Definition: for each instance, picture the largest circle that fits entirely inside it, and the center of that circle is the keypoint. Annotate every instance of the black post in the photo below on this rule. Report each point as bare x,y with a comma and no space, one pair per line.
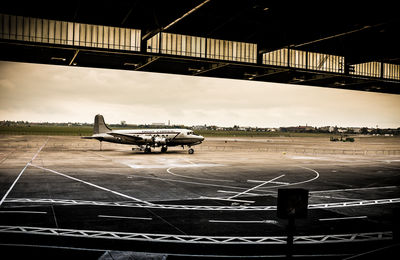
290,235
292,204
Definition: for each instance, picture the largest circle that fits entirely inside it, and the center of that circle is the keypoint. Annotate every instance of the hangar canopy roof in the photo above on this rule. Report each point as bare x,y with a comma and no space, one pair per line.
326,44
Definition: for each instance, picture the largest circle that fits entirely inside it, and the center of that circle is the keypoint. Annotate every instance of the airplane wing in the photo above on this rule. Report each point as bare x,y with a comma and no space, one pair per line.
127,137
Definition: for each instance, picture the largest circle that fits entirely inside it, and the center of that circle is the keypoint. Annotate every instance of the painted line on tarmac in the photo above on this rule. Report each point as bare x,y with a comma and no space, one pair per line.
40,149
196,178
227,199
257,186
124,217
22,212
344,218
263,189
20,174
274,182
8,155
93,185
302,182
189,182
266,221
332,197
356,189
248,193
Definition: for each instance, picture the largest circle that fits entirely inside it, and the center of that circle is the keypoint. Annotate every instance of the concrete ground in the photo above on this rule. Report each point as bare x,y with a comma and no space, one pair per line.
227,188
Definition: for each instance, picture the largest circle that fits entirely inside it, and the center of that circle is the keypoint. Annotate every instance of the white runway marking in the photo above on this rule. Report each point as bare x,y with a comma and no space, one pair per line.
333,197
267,221
274,182
283,184
189,182
231,187
170,164
257,186
93,185
19,175
165,163
22,212
344,218
248,193
355,189
228,199
312,179
293,183
124,217
6,156
196,178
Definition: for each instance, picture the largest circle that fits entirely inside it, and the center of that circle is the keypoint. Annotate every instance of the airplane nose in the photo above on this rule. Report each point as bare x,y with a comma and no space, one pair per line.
201,138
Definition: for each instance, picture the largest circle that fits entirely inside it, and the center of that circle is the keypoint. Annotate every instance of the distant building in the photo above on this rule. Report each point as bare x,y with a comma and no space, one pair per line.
355,130
158,124
200,127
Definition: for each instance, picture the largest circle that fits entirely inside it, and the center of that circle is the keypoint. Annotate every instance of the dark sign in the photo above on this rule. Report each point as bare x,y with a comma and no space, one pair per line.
292,203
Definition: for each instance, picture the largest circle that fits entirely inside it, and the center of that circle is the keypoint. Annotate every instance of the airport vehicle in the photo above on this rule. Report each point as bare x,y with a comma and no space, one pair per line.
145,139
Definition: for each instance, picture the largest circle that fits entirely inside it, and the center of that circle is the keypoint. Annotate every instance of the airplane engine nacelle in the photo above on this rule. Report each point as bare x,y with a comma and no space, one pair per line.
160,141
147,139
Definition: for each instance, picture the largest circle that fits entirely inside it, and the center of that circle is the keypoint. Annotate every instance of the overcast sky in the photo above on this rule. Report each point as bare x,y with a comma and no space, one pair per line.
41,93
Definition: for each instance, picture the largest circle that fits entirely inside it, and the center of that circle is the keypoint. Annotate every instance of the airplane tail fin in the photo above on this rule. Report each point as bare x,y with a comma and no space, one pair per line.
100,126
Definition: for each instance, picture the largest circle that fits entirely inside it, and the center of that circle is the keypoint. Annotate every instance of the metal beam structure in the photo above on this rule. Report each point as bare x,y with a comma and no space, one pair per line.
174,238
247,40
358,203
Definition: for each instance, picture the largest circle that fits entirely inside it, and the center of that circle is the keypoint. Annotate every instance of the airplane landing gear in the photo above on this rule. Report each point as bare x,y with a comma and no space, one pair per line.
147,150
190,151
164,149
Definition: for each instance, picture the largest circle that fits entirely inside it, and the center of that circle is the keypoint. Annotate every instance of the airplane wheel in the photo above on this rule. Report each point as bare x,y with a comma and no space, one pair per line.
164,149
147,150
190,151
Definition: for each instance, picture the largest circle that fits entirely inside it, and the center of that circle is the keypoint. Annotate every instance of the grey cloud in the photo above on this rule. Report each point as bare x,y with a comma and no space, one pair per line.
45,92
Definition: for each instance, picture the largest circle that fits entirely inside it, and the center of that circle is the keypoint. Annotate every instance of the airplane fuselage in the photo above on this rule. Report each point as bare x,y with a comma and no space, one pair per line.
152,137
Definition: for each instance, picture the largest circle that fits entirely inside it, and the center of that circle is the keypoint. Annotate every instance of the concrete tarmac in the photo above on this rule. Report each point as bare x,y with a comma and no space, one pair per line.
227,188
